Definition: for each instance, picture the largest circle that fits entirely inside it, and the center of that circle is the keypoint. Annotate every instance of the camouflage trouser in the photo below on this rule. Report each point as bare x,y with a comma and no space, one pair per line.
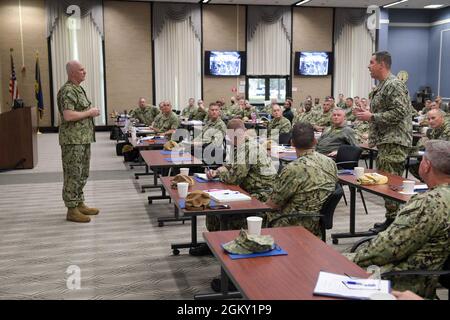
235,222
391,159
75,160
309,223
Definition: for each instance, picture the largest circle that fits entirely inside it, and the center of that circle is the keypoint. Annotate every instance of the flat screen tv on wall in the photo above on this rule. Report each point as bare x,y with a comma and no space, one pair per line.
313,63
225,63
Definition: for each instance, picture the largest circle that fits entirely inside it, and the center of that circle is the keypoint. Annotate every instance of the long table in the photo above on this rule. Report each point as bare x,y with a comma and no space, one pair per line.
383,190
156,161
288,277
243,208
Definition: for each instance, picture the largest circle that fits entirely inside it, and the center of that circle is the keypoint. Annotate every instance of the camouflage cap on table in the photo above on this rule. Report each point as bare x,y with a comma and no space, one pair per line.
246,243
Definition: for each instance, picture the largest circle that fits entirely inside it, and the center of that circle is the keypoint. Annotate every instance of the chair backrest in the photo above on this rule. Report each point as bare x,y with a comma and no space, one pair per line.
349,154
329,206
285,138
445,279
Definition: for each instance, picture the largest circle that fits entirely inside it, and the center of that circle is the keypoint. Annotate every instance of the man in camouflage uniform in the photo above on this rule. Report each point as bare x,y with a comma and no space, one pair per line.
307,115
202,112
167,121
304,184
278,122
323,119
287,112
190,110
337,135
348,108
418,239
390,124
144,114
247,111
214,129
76,133
341,103
440,130
251,168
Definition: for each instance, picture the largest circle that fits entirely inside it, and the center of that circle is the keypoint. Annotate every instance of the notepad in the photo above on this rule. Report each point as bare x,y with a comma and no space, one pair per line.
341,286
228,196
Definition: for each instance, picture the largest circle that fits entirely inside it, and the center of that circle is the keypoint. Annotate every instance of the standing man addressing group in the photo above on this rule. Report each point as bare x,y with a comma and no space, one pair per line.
390,123
76,133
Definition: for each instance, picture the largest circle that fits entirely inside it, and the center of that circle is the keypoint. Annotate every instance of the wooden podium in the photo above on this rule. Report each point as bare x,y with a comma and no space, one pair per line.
18,138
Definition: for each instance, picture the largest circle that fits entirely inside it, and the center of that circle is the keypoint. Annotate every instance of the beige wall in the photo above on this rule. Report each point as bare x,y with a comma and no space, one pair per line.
313,31
128,52
34,38
223,29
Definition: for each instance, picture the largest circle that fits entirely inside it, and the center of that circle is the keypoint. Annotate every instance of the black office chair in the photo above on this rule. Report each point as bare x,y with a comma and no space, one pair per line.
326,212
443,274
347,157
285,138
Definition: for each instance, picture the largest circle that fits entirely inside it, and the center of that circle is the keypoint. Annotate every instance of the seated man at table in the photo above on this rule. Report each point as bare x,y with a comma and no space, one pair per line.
213,131
440,130
190,110
304,184
308,115
250,167
418,239
202,112
144,113
167,121
287,112
278,122
337,135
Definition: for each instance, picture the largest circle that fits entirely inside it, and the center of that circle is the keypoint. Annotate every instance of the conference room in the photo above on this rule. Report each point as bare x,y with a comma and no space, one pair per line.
138,83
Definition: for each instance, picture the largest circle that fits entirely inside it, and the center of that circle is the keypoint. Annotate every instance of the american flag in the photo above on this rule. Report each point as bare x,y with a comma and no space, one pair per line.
13,88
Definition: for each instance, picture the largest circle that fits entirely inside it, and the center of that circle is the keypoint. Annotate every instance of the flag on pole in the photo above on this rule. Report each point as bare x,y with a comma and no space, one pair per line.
38,89
13,88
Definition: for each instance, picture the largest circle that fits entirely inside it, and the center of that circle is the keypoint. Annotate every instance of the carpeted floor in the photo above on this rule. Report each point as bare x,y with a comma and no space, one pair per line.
122,253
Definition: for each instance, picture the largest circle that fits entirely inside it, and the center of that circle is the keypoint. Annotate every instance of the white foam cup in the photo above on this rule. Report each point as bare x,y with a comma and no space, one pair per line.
408,186
184,171
254,225
359,172
182,189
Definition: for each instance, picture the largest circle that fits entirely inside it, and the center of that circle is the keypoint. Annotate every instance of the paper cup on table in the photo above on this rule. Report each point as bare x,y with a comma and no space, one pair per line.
359,172
254,225
424,130
182,189
184,171
408,186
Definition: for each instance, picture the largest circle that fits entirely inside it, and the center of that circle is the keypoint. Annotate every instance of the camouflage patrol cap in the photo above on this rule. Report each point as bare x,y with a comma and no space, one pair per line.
182,178
197,200
169,145
246,243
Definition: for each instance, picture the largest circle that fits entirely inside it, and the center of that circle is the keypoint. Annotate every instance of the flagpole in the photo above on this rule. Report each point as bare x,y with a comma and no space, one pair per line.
38,113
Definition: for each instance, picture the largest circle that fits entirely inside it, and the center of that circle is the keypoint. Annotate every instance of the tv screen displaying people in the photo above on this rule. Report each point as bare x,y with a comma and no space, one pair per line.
225,63
314,63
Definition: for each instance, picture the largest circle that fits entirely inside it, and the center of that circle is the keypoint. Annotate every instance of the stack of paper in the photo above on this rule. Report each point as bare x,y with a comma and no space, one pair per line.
335,285
228,195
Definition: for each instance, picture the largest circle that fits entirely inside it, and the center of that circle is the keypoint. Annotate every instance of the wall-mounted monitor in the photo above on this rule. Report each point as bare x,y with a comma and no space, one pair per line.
313,63
225,63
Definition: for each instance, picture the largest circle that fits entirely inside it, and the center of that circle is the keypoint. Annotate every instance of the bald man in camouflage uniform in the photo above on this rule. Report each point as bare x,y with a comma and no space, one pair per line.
214,129
280,123
304,184
144,113
76,133
167,121
323,119
418,239
251,168
390,124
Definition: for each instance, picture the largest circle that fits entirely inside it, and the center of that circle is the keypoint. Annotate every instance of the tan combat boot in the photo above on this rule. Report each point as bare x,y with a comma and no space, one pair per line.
73,214
86,210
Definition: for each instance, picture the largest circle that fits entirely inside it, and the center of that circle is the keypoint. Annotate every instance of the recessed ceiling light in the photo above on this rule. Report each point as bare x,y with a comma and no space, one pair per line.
433,6
394,3
302,2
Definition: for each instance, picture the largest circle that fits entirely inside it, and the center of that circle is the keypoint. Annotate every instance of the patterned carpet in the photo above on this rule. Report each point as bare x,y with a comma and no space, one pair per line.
122,253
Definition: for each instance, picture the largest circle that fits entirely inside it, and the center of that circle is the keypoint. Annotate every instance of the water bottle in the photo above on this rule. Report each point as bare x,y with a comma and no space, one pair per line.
253,117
